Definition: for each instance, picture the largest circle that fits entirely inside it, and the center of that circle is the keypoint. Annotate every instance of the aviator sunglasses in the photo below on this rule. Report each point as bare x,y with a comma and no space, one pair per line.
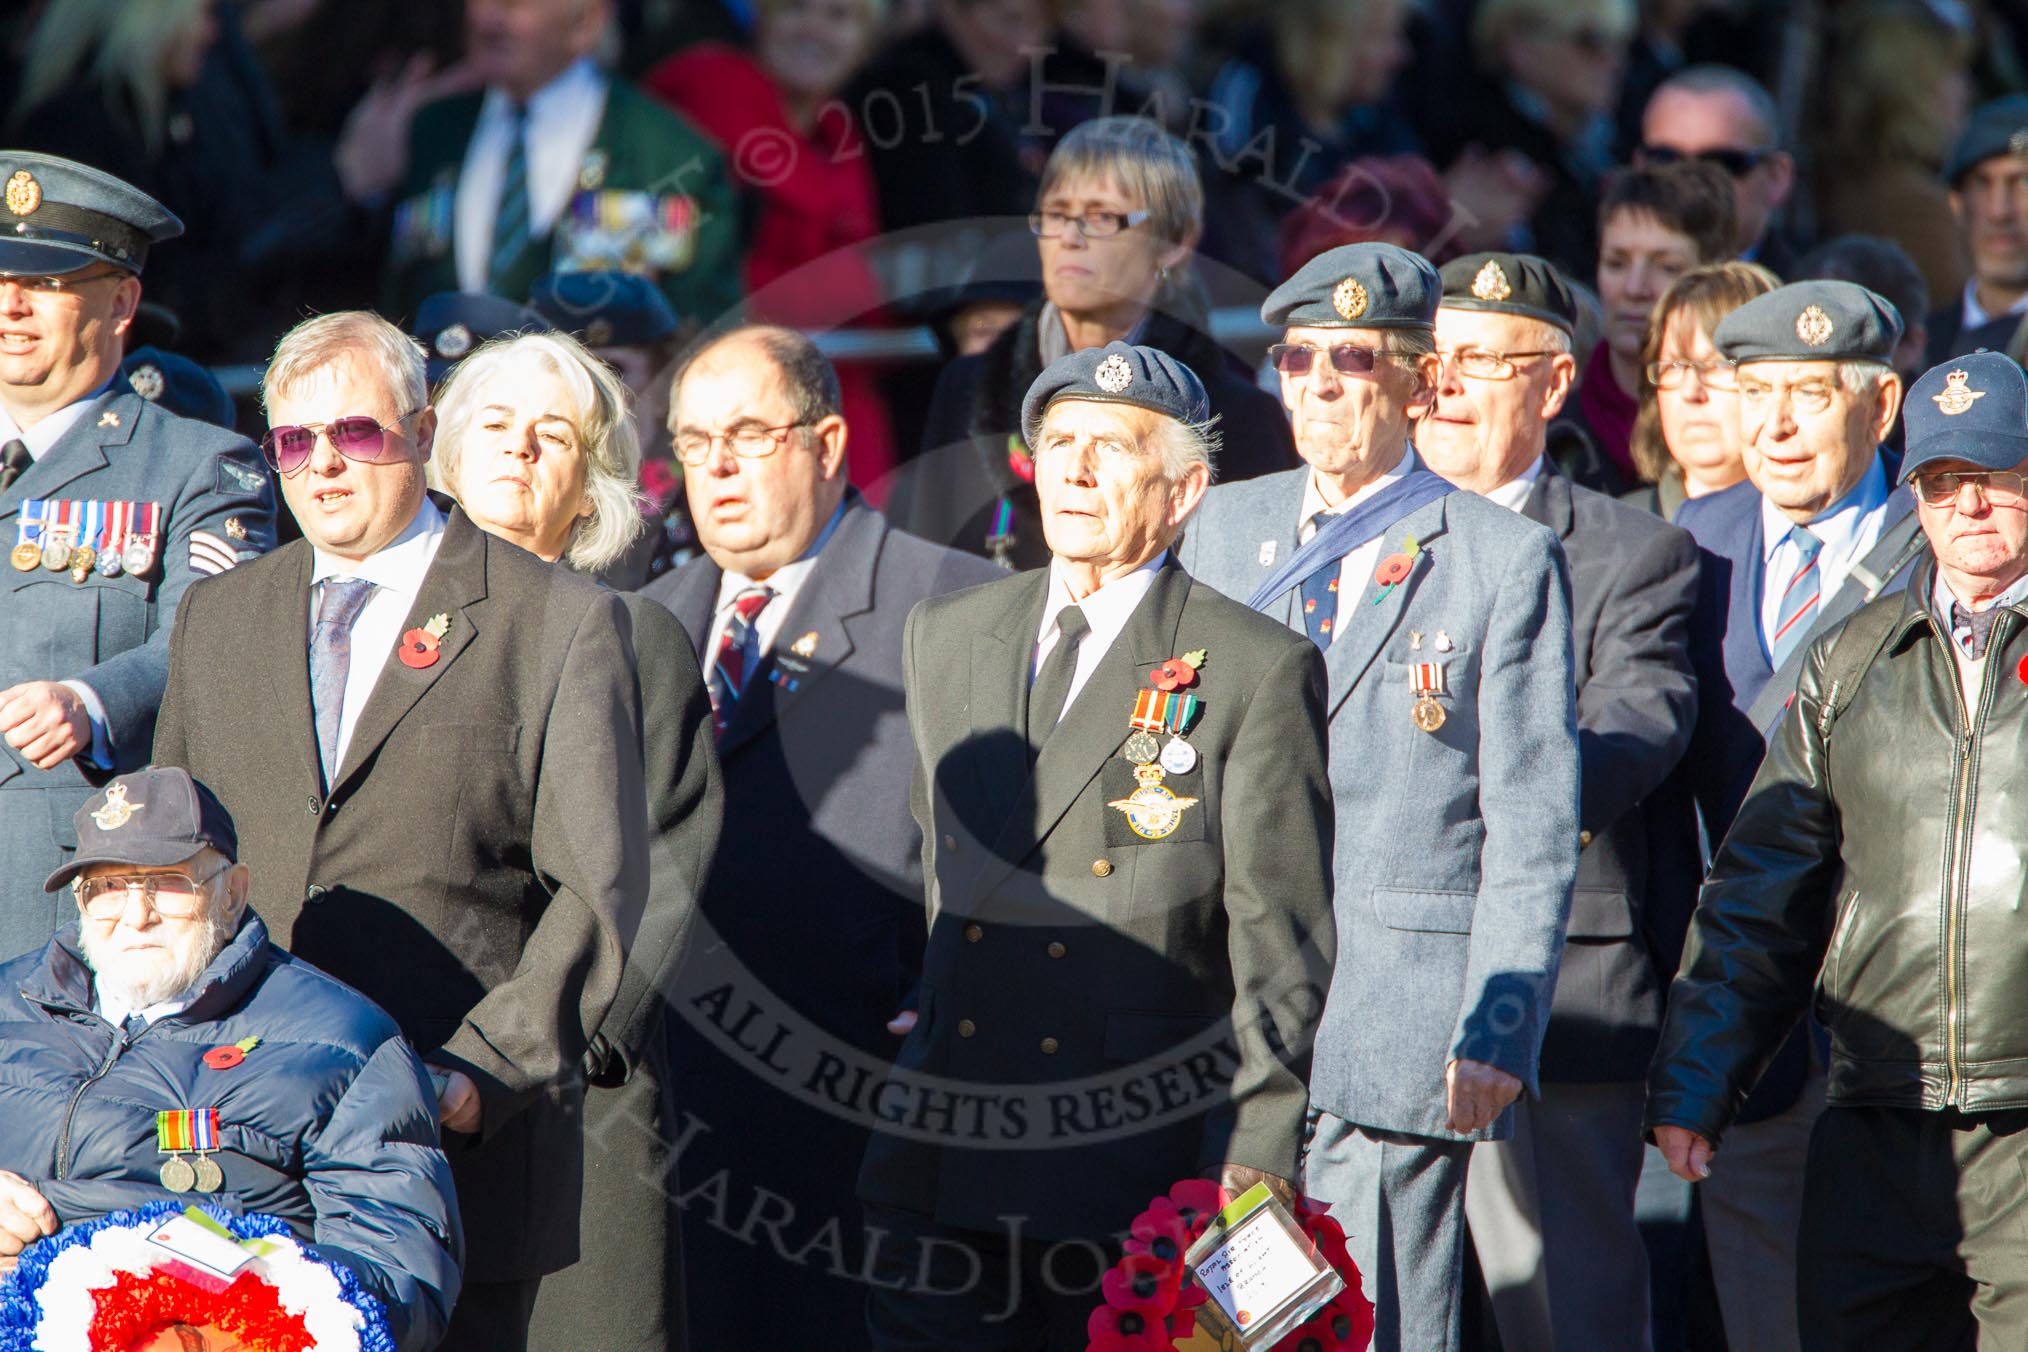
287,449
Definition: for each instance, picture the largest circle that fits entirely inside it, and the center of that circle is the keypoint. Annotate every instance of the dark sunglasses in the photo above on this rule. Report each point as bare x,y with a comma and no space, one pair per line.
1738,163
358,437
1347,359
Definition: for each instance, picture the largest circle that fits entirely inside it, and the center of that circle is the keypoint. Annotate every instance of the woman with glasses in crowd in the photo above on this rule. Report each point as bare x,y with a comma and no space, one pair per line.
1686,437
1116,222
536,442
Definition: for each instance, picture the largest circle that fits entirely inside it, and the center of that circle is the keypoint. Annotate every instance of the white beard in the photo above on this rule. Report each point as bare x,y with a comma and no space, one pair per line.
141,987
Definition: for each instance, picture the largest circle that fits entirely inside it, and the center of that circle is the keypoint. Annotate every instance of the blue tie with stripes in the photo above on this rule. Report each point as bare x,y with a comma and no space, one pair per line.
1799,603
510,222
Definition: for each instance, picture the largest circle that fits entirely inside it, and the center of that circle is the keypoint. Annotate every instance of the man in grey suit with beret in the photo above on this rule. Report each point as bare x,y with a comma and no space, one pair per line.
1552,1208
110,506
1445,624
1126,841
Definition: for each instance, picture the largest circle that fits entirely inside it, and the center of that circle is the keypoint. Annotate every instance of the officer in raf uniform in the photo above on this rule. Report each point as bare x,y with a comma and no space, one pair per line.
556,166
110,506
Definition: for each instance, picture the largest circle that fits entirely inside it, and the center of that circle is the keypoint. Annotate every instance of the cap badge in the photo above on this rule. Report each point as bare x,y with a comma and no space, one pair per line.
1349,299
599,332
2017,144
1957,397
147,381
454,342
1113,374
591,175
1491,283
118,811
24,194
1813,326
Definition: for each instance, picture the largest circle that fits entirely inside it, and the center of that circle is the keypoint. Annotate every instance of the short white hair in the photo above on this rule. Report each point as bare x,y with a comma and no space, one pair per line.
612,448
1862,377
357,335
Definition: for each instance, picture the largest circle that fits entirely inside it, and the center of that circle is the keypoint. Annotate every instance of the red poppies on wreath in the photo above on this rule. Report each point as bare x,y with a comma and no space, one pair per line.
1150,1302
1178,673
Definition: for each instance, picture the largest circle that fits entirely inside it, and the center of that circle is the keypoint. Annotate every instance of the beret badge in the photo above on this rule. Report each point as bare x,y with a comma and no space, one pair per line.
1113,374
599,332
24,194
147,381
454,342
1813,326
1958,396
1491,283
1348,298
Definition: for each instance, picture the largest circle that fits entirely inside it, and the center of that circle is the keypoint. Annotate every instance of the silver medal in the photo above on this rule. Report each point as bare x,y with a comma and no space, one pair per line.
1179,757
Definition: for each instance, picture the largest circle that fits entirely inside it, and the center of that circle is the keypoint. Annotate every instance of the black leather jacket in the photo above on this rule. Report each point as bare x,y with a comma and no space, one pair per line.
1883,867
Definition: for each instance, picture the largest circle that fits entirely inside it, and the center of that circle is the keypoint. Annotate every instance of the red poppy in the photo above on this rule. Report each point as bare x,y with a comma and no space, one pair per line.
2022,671
1159,1231
1329,1237
1199,1199
1143,1282
1174,674
1392,569
1022,463
418,648
1112,1330
224,1058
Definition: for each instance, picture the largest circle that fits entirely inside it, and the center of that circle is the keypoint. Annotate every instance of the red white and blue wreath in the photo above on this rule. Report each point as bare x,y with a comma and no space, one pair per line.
102,1286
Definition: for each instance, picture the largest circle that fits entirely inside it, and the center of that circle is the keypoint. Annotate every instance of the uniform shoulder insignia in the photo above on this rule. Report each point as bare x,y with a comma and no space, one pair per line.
237,480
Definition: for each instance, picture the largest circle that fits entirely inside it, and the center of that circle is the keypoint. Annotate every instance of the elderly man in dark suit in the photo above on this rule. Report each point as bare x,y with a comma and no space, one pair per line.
812,912
111,506
1127,840
445,792
1818,528
1552,1208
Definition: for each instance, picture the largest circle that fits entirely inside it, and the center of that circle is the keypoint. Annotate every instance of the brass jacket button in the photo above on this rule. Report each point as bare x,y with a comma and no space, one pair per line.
1057,950
966,1028
1101,868
1049,1046
973,933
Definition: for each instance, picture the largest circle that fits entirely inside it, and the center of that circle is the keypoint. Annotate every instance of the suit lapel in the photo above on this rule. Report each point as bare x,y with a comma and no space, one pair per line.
1285,517
80,450
693,598
454,584
288,608
1549,502
1360,637
1001,658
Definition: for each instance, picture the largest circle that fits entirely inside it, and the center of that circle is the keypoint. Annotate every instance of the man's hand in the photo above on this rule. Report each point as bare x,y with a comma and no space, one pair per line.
25,1216
372,152
458,1108
1689,1154
1237,1178
1476,1094
46,722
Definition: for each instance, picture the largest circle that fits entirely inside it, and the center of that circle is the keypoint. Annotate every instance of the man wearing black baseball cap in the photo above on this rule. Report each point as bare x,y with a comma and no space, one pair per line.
110,505
204,1047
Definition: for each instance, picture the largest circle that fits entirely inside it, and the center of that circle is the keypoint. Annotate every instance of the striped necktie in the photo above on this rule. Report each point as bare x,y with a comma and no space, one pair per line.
1799,603
1320,595
728,667
510,221
339,601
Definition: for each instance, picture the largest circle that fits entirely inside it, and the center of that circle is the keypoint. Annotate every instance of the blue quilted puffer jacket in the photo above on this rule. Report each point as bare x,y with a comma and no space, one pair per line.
328,1122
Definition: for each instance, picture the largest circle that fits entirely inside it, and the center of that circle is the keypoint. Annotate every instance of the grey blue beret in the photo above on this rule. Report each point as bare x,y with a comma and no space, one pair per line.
1117,374
451,323
605,308
1811,321
1358,286
1996,128
1974,407
57,216
1512,284
179,385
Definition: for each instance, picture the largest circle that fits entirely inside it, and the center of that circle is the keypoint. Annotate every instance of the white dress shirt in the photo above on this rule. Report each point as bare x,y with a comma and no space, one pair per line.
115,1010
1848,529
1513,495
1974,314
787,581
396,572
1357,566
562,122
1106,610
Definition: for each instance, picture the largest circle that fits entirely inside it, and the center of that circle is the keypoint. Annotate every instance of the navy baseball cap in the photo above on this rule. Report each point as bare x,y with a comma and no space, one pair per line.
58,216
152,818
1972,408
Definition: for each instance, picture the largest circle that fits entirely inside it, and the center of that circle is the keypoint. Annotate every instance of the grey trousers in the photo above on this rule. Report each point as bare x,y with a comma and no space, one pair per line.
1401,1200
1552,1217
1753,1210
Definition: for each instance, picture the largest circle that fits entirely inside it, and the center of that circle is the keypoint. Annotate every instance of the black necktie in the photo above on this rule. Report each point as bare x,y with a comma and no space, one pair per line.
1052,684
14,463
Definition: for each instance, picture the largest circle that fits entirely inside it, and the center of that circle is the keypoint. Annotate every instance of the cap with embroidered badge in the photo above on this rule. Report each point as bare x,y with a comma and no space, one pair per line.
1972,408
1510,283
1996,128
152,818
1358,286
58,216
450,324
1117,373
605,308
1811,321
179,385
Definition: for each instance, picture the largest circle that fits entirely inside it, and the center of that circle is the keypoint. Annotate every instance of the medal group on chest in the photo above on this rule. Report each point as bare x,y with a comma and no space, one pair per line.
80,537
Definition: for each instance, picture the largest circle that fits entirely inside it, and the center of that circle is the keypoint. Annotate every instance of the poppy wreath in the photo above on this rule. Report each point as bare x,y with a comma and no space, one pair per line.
100,1286
1150,1302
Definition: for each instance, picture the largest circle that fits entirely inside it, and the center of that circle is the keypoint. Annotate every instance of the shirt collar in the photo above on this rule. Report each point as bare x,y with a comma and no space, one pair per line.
1975,315
399,566
1313,499
579,78
786,580
116,1011
1106,610
1941,598
1837,525
42,438
1513,494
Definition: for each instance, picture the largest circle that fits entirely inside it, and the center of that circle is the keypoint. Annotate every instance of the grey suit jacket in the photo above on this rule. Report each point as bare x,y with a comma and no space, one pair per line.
111,633
1456,849
1067,950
